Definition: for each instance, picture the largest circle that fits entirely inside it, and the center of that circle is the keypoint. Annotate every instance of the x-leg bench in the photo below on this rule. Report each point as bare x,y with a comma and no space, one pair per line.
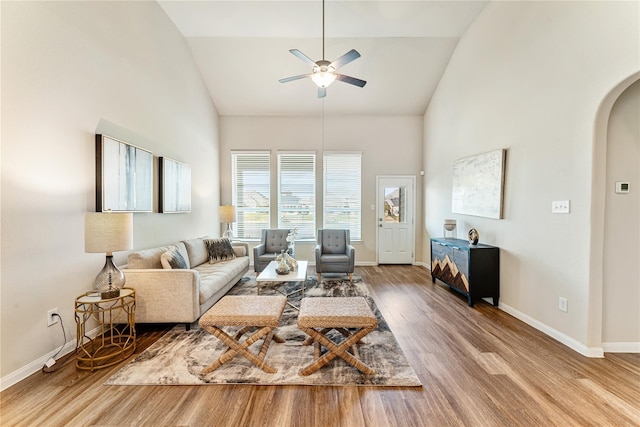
250,312
318,316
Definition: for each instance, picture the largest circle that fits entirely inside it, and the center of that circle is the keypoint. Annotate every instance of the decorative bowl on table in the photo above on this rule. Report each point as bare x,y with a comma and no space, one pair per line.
282,271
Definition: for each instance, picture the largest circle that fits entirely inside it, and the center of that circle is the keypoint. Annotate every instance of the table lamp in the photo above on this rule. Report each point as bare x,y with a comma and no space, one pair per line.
227,215
108,232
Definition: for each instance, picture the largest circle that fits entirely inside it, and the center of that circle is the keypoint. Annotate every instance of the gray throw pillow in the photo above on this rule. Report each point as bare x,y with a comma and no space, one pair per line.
219,250
172,259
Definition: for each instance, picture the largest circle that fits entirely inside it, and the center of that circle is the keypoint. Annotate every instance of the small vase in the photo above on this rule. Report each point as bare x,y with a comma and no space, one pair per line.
291,262
282,267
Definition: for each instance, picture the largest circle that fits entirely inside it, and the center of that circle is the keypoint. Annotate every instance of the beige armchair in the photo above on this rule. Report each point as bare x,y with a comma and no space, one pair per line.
334,253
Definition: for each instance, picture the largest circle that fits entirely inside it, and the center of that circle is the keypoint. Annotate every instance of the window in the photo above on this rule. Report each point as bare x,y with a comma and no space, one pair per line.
251,188
297,193
342,192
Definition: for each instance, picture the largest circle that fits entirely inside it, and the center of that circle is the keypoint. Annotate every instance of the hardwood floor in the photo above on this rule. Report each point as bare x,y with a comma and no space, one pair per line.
479,367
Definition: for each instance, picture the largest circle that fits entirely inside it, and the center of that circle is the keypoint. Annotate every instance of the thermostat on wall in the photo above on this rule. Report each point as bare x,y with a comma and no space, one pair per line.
622,187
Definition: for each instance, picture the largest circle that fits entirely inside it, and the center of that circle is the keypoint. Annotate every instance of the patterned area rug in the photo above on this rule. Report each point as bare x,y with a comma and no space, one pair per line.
180,355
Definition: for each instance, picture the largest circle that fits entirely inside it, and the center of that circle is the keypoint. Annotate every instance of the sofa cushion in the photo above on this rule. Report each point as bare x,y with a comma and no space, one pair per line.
146,258
214,277
240,251
172,259
197,251
219,250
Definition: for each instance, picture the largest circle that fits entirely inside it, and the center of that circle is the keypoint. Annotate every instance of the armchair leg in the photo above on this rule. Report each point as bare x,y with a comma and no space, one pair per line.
319,277
351,277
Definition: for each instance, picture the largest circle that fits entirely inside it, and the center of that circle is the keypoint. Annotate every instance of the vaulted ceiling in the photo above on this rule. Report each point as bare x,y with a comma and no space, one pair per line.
242,50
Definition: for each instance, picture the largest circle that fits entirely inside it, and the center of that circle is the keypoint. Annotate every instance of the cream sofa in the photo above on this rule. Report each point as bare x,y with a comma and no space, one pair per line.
181,295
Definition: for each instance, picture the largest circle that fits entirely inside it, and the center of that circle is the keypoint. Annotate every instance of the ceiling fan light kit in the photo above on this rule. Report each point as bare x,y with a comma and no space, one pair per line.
323,72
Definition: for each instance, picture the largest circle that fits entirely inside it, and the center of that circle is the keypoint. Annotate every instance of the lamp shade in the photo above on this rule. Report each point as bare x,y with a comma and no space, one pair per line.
108,232
227,214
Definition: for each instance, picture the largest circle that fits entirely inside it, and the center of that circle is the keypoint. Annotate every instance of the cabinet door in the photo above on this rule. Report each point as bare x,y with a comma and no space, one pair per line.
438,251
460,258
441,261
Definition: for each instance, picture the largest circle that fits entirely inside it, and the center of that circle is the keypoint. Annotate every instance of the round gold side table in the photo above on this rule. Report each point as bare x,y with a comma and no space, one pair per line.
113,322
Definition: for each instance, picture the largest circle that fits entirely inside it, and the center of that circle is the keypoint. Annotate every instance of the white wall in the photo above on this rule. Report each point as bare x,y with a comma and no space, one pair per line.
621,296
530,77
389,146
71,70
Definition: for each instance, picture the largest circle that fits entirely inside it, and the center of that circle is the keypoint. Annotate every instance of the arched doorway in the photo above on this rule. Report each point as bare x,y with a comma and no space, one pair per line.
602,243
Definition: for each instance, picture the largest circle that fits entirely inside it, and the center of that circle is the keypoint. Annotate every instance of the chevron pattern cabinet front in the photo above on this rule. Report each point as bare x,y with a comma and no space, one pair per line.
472,270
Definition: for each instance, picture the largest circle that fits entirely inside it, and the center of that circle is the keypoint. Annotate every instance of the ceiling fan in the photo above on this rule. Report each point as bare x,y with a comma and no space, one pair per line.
323,72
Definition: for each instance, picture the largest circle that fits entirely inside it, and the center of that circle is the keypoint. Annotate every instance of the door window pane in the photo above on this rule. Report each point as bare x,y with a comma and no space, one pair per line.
395,204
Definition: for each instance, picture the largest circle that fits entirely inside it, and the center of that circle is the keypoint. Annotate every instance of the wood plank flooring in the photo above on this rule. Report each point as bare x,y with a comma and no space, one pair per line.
478,366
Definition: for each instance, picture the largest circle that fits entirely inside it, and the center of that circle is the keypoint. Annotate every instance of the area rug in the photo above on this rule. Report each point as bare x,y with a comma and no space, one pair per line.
180,355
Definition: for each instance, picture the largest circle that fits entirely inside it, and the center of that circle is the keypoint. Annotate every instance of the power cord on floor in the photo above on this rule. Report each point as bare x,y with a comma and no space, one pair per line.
52,365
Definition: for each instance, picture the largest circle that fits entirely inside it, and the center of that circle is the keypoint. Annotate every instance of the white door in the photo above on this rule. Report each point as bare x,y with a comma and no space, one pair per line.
395,219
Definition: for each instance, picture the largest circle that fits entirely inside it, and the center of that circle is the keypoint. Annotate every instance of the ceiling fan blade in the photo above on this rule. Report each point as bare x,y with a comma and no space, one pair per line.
351,80
303,57
352,55
292,78
322,92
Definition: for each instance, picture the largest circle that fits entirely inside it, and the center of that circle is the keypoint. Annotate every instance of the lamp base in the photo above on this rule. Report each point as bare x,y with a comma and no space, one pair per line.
109,280
110,293
228,233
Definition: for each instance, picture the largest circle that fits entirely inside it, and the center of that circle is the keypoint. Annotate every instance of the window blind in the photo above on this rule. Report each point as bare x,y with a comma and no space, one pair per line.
342,192
251,190
297,193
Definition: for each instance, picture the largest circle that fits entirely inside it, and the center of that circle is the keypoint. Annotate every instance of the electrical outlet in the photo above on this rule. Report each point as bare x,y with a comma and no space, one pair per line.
560,207
51,319
563,304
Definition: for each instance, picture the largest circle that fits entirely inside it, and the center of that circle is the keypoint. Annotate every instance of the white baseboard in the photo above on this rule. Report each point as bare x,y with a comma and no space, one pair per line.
621,347
547,330
33,367
553,333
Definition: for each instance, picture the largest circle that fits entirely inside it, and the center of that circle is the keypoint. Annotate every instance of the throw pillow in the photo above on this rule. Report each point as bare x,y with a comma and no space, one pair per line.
240,251
172,259
219,250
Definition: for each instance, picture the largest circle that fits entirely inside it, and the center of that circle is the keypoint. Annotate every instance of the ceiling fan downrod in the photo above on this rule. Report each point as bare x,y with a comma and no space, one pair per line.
322,71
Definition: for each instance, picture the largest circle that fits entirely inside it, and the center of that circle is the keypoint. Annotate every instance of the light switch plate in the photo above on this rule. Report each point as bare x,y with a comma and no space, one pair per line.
622,187
560,206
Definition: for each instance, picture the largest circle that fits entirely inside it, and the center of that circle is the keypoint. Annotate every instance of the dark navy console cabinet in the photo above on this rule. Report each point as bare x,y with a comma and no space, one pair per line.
472,270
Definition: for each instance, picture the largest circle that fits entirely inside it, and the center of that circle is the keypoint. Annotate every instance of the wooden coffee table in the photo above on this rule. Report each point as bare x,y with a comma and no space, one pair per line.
269,276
